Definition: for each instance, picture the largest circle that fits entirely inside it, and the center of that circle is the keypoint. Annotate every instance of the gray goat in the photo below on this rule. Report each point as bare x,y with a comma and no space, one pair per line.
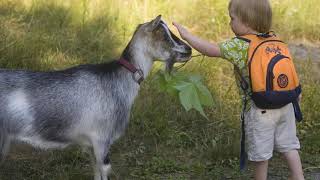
88,104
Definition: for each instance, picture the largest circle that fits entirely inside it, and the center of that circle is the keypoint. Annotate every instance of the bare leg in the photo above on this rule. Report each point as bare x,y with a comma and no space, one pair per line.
261,170
294,163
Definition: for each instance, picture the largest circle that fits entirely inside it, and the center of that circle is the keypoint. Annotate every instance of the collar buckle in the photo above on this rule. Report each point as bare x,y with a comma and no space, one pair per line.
138,76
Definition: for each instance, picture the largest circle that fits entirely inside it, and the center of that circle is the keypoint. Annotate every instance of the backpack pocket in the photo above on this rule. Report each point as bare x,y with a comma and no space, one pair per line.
282,85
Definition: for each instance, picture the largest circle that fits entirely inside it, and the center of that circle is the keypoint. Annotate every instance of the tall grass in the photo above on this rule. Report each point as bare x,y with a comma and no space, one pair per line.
297,19
162,141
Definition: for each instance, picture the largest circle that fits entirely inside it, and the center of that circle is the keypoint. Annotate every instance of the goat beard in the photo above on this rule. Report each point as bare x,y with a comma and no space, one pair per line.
169,64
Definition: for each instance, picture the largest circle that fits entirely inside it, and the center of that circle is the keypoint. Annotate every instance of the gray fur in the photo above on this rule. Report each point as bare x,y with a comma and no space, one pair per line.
87,105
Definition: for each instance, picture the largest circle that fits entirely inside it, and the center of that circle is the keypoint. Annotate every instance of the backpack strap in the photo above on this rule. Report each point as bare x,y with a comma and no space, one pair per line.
243,84
297,111
244,39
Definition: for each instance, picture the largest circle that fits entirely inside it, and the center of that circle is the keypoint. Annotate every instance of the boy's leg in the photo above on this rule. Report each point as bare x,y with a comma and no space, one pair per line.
260,170
260,129
293,159
287,142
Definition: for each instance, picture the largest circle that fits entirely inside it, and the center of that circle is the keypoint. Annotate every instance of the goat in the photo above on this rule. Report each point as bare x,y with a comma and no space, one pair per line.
87,104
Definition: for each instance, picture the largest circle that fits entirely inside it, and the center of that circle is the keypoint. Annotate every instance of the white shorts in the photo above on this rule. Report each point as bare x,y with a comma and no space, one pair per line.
268,130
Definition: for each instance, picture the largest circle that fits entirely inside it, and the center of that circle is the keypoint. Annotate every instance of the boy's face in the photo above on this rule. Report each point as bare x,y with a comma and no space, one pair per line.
237,26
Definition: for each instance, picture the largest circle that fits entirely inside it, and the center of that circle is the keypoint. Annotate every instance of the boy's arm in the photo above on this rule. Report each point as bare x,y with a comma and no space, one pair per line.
204,47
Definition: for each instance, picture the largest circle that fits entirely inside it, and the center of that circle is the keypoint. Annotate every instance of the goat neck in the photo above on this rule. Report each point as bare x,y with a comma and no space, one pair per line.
137,54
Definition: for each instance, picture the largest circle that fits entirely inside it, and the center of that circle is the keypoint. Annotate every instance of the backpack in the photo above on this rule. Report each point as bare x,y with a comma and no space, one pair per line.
274,80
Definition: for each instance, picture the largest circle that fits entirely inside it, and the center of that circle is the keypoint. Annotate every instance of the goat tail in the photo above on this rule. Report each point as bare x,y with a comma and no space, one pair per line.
4,140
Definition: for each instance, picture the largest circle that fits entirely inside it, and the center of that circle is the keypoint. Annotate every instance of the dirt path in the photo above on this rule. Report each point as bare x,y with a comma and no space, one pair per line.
305,51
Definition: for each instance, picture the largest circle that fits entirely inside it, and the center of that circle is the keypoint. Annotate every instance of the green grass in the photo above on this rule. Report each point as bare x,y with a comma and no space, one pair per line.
162,141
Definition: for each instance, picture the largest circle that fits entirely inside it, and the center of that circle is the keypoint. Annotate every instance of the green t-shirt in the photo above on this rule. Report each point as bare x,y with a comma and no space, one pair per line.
236,51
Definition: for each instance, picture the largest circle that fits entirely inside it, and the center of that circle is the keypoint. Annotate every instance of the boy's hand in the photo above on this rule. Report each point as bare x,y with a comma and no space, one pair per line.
202,46
182,30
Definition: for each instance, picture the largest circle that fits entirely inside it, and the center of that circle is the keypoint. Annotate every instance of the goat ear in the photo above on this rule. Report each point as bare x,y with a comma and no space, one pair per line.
155,23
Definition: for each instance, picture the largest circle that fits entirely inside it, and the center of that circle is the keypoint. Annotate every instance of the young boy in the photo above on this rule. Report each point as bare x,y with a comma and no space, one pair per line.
265,129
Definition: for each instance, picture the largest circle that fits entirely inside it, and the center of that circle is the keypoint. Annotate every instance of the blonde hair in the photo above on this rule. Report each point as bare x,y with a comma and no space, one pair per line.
257,14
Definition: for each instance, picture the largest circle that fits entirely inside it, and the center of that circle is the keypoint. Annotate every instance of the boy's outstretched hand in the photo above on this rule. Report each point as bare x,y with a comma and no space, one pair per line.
202,46
182,30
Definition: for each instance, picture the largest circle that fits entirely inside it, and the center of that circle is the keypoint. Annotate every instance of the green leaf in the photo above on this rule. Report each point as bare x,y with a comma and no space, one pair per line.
172,91
168,77
189,88
195,78
182,85
204,95
185,101
198,107
189,97
162,83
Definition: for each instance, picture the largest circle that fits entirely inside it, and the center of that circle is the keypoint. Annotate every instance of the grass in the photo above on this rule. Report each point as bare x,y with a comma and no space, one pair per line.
162,141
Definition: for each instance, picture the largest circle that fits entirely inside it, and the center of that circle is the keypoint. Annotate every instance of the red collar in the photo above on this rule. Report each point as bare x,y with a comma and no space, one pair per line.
137,73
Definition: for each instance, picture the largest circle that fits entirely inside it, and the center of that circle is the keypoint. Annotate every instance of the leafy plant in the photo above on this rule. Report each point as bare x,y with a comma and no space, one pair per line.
190,90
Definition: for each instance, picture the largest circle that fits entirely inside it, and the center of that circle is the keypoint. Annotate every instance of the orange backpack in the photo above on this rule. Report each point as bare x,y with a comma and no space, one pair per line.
273,77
